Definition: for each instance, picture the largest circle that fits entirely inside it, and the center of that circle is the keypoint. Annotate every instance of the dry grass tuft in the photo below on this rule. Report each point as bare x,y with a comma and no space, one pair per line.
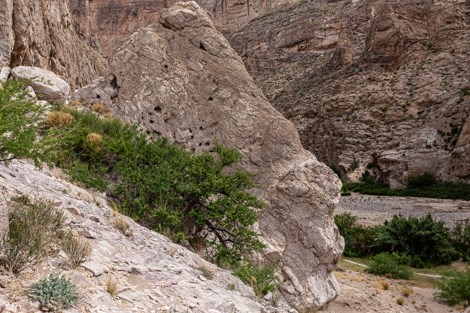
100,108
123,226
400,301
78,249
58,119
111,286
94,142
406,291
207,273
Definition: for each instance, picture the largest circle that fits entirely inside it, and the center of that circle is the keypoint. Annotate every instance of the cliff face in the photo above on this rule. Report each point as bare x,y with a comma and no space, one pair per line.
181,79
375,82
40,33
108,24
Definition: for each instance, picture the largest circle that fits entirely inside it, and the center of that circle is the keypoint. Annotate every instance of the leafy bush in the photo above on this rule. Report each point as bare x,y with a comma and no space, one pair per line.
424,238
20,123
424,180
455,289
460,235
162,186
55,293
389,265
32,228
260,278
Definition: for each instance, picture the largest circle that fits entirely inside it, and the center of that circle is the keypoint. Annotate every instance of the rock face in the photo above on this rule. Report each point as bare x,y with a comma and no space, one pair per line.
152,273
182,80
47,85
40,33
377,82
108,24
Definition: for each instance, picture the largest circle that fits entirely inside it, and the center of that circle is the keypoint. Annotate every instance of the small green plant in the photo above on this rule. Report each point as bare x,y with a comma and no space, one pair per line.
20,124
387,264
424,180
54,293
33,227
456,289
460,235
260,278
78,249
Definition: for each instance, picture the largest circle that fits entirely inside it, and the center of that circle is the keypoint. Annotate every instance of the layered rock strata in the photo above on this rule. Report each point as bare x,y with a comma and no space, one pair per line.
182,80
379,82
40,33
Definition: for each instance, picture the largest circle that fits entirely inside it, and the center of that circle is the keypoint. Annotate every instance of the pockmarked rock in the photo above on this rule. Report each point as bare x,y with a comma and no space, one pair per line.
181,79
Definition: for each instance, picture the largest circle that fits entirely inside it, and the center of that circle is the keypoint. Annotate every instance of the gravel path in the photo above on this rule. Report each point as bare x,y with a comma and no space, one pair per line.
373,210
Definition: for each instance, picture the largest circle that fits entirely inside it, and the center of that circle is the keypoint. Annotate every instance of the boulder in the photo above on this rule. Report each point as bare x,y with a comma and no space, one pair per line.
4,74
47,85
181,79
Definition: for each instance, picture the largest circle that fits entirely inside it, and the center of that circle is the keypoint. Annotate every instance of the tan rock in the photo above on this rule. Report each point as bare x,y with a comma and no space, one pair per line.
182,80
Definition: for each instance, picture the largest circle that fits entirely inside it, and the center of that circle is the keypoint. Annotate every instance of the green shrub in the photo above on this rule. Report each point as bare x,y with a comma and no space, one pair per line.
20,123
162,186
54,293
260,278
424,180
455,289
32,229
426,239
389,265
460,235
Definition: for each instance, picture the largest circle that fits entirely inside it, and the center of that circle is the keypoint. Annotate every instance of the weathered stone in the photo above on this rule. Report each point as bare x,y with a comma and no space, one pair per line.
4,74
363,77
47,85
100,90
219,103
40,33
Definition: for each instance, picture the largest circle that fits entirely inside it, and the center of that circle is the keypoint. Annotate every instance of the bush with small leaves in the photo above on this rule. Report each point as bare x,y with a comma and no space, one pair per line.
387,264
54,293
260,278
33,227
456,288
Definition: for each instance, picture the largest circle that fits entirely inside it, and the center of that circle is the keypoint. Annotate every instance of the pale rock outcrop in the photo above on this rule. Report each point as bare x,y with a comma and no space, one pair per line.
47,85
361,78
40,33
182,80
152,273
101,90
4,74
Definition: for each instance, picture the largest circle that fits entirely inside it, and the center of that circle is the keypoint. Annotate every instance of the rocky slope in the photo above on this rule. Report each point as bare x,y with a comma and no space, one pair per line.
152,273
40,33
108,24
181,79
385,82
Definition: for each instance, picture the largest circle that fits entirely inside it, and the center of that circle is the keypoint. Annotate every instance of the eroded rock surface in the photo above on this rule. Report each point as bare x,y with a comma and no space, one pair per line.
40,33
369,81
152,273
108,24
182,80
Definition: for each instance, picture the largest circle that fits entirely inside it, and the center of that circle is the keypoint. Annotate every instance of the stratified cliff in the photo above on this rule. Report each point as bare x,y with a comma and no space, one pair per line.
40,33
379,82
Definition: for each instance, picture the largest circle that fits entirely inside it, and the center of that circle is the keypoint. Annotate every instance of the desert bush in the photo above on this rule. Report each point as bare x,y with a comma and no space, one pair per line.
33,227
456,289
387,264
460,235
78,249
164,187
20,123
425,239
260,278
54,293
418,181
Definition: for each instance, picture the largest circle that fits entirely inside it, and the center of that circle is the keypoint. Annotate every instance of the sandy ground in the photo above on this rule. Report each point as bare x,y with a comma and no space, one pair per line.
364,293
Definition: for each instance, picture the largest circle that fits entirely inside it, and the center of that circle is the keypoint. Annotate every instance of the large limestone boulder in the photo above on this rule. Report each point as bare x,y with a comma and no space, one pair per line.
182,80
47,85
41,33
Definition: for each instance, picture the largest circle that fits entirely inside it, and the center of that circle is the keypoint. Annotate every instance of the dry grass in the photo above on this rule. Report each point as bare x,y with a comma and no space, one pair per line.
111,286
100,108
122,225
58,119
94,142
207,273
406,291
381,285
400,301
78,249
